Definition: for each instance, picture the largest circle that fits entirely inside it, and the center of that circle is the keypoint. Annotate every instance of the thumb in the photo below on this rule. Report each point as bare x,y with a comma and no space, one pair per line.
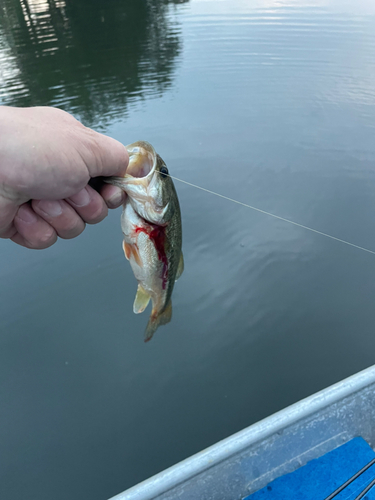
111,157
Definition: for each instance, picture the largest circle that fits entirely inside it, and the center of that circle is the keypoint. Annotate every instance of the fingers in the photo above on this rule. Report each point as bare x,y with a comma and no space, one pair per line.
61,216
8,232
112,195
32,230
8,210
68,217
7,229
89,205
38,224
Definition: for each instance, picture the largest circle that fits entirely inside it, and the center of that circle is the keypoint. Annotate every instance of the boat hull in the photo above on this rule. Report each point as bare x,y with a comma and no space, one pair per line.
248,460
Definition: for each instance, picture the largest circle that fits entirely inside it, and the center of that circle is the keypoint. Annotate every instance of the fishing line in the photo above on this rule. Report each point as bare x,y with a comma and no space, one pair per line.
272,215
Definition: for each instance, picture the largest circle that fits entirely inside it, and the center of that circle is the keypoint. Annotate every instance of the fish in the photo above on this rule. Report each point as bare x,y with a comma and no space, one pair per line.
151,225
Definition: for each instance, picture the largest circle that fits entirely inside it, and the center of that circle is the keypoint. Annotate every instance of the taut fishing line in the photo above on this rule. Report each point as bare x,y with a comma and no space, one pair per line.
272,215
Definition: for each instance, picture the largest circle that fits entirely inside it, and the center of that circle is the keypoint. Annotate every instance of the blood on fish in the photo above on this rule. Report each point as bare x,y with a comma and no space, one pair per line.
157,235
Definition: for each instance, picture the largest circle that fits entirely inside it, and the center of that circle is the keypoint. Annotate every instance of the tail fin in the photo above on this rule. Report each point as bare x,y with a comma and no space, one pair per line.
157,320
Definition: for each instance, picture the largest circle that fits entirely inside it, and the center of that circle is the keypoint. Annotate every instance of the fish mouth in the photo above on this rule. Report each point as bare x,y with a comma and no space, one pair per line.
142,163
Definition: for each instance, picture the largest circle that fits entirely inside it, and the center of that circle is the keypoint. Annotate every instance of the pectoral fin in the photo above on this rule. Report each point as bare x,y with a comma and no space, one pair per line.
180,268
127,249
132,251
156,320
136,256
141,300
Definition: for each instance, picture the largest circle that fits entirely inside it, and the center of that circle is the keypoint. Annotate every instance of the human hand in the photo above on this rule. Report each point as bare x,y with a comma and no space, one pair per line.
47,158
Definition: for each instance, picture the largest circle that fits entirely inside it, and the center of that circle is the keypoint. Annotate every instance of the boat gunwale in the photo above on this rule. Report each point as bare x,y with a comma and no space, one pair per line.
236,443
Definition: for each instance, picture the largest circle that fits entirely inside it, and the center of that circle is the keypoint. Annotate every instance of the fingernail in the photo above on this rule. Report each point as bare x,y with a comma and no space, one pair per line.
26,215
116,199
81,199
51,208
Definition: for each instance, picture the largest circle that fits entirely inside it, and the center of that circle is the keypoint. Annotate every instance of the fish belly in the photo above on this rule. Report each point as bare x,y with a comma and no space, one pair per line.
143,255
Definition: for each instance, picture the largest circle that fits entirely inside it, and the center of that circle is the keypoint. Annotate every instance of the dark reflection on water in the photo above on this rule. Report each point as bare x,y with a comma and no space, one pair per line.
87,57
270,102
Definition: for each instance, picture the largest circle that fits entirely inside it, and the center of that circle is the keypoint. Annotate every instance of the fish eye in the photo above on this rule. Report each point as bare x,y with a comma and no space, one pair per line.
164,171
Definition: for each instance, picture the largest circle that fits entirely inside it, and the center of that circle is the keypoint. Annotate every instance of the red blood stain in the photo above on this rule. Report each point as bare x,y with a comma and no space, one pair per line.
157,235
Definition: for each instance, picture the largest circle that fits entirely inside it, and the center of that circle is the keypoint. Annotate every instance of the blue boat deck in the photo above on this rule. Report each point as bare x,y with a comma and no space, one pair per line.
322,476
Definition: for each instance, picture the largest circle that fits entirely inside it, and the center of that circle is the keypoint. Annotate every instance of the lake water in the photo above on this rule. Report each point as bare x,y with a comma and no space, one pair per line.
270,102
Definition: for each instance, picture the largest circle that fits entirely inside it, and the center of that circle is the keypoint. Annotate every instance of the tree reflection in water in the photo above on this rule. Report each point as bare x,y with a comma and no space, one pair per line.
88,57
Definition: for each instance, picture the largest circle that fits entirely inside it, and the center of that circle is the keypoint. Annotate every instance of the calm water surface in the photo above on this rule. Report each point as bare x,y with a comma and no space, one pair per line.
269,102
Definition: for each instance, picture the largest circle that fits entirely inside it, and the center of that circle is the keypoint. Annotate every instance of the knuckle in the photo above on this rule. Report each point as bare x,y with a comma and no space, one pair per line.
73,225
97,213
73,232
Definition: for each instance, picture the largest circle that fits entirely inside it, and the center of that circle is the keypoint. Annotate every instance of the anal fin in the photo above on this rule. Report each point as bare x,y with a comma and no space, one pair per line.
141,300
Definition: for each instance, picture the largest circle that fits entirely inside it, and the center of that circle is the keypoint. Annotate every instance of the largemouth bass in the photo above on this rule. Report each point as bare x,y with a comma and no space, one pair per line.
151,223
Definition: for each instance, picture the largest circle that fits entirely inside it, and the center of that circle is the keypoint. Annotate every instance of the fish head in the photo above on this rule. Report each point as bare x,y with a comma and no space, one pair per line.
147,183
